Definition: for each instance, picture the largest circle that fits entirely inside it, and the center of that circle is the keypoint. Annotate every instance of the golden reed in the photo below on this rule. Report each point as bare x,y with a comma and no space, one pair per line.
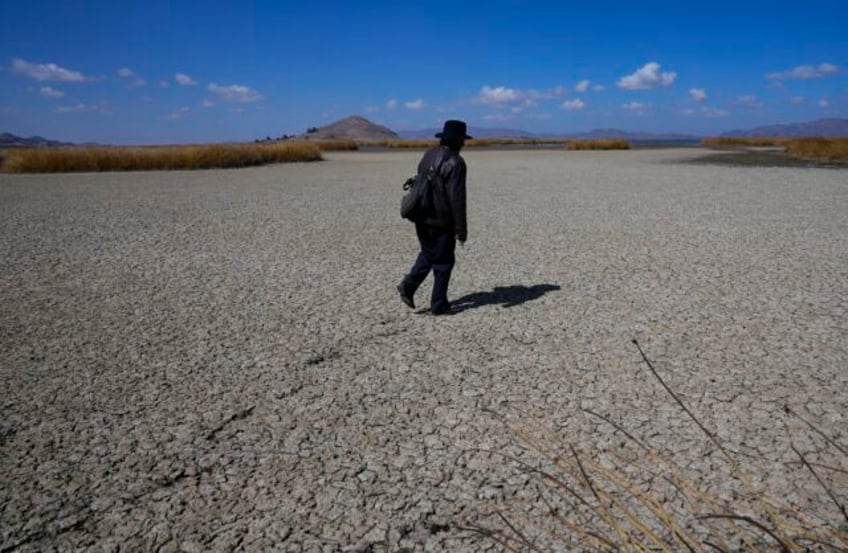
155,158
610,144
818,149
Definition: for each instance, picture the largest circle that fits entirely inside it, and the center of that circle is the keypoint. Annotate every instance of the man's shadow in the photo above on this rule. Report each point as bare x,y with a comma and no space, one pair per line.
507,296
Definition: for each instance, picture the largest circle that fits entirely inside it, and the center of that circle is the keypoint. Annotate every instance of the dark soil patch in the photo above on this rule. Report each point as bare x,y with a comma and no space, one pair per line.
745,157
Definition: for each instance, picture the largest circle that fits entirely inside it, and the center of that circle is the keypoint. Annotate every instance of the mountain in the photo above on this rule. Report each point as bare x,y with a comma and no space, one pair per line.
354,127
9,140
820,127
485,132
635,136
476,132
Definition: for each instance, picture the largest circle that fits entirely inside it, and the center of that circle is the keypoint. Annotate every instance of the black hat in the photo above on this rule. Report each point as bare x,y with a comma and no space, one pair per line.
454,130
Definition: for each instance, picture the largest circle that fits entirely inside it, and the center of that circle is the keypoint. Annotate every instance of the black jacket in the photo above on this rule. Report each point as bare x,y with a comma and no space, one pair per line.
449,190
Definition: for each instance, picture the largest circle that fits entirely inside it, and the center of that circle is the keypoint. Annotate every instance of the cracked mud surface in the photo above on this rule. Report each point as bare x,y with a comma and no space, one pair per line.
218,360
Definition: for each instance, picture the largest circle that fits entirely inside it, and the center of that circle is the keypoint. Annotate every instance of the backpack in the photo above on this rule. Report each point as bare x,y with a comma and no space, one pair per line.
417,204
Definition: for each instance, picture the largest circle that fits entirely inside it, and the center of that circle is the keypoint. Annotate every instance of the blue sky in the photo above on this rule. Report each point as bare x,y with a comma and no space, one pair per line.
201,71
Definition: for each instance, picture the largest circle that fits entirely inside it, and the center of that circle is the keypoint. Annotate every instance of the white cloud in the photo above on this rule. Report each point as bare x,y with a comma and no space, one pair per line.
497,95
72,109
748,101
177,114
235,93
698,94
798,100
649,76
573,105
184,80
547,94
502,96
805,72
101,108
207,103
164,84
582,86
46,71
705,111
714,112
372,109
497,117
636,108
50,92
414,104
598,88
127,73
392,104
824,103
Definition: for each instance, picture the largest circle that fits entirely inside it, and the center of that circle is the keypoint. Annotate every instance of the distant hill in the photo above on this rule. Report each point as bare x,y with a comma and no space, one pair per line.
820,127
635,136
476,132
354,127
9,140
485,132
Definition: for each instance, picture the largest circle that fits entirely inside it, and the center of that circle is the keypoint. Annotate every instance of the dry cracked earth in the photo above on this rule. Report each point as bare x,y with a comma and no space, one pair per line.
218,360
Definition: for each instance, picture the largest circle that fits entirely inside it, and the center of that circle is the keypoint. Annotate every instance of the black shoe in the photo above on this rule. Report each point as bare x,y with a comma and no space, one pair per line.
407,299
446,311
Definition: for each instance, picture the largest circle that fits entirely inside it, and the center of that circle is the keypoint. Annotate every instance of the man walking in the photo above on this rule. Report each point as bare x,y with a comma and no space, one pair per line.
446,223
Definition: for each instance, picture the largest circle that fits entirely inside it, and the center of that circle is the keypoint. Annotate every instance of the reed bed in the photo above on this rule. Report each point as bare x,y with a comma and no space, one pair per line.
483,142
633,498
819,149
337,145
815,148
723,141
156,158
473,143
611,144
410,143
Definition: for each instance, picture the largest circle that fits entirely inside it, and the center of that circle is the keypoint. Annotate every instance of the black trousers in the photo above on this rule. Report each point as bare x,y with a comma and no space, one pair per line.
437,255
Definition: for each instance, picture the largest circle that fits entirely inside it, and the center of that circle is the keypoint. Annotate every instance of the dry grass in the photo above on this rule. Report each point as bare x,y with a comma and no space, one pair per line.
473,143
216,156
719,142
483,142
336,145
817,149
410,143
611,144
632,498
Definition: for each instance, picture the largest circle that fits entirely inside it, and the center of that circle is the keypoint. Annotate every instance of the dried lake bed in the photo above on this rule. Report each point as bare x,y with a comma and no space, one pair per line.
218,360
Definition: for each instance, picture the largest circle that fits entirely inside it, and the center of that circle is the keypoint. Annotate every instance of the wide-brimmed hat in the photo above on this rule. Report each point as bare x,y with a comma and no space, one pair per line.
454,130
